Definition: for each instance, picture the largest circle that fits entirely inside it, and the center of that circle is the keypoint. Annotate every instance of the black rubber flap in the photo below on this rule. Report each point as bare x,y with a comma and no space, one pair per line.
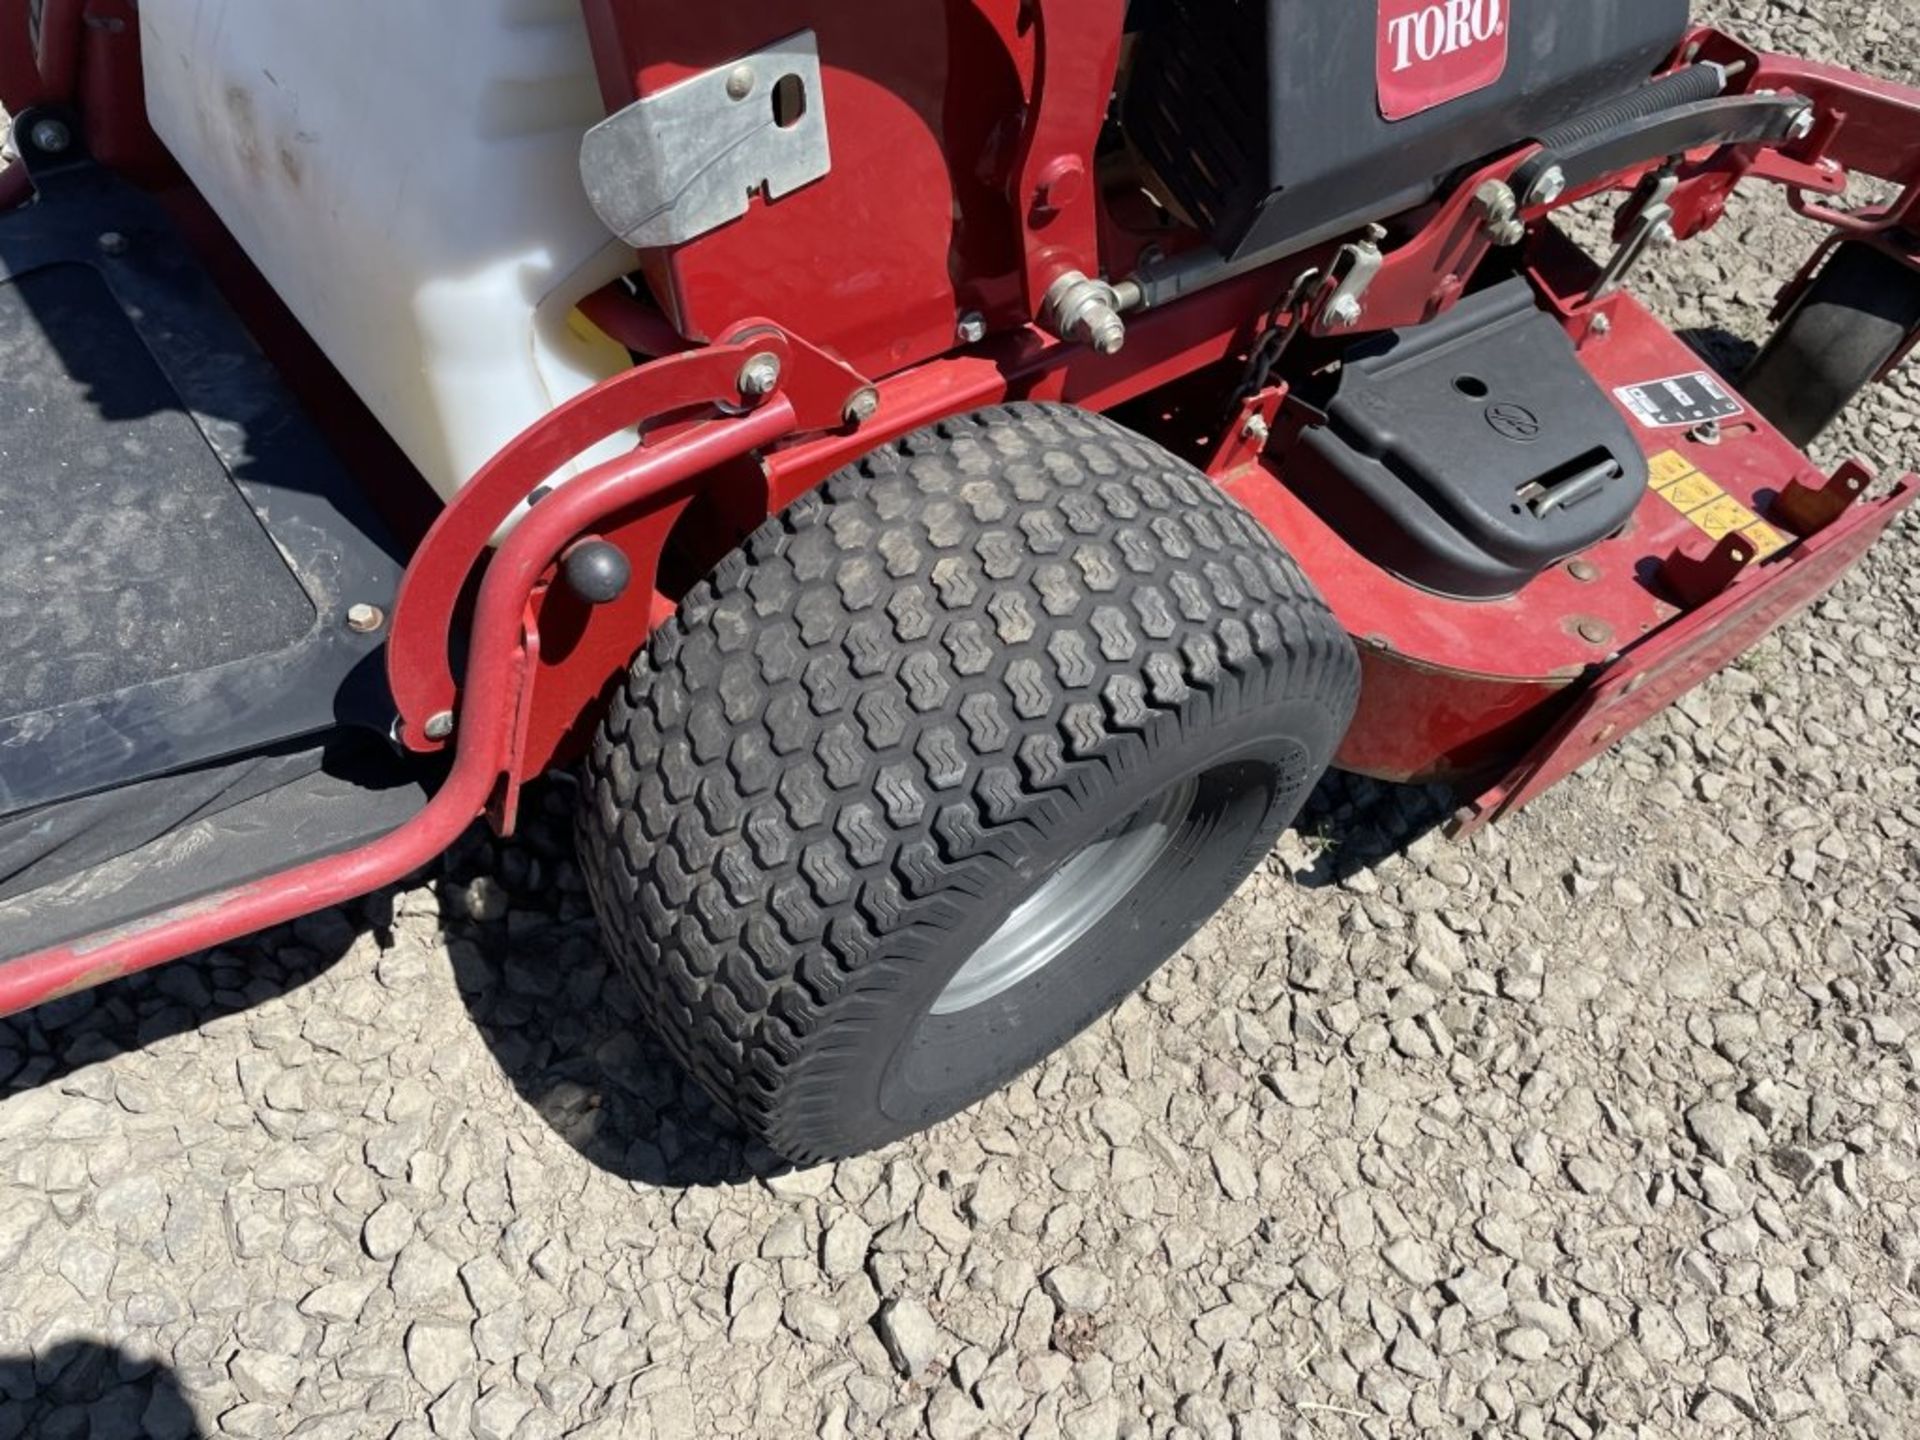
1470,454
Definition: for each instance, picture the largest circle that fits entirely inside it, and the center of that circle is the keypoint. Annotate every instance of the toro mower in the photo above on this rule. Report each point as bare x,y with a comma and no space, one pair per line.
949,476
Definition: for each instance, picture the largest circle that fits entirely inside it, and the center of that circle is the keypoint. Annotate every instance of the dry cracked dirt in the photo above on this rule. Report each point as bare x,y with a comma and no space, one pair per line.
1603,1124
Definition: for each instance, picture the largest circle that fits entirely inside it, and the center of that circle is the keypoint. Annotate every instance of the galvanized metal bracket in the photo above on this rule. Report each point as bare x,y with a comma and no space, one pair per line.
674,165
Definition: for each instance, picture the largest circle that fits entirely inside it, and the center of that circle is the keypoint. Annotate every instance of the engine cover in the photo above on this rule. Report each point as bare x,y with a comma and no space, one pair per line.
1276,123
1470,454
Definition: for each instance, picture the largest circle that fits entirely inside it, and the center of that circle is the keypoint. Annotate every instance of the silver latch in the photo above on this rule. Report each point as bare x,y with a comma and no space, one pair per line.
675,165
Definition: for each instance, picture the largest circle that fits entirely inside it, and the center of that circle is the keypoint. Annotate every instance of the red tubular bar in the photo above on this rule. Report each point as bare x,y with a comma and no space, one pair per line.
490,703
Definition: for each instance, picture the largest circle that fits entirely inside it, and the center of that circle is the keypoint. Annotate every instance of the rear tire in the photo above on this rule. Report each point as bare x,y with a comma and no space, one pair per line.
1851,321
944,762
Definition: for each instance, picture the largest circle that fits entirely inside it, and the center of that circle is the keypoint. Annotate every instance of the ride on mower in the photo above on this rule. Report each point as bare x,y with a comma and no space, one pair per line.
951,476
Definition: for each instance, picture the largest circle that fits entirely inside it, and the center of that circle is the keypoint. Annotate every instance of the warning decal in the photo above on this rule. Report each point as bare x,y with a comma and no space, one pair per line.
1712,511
1682,400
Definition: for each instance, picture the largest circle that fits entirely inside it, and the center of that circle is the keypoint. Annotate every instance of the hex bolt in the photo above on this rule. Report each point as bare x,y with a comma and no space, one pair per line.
740,82
364,619
972,328
51,136
862,405
759,375
113,243
1551,185
1256,429
439,725
1803,124
1345,312
1602,324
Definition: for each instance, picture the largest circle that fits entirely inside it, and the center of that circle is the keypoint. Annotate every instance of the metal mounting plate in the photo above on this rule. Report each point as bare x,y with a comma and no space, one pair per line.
675,165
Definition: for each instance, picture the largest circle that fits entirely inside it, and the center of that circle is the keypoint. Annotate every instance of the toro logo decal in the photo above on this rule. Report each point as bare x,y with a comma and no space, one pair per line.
1433,51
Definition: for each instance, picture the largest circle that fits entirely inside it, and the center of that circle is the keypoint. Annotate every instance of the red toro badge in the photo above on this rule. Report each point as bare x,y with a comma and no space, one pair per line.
1433,51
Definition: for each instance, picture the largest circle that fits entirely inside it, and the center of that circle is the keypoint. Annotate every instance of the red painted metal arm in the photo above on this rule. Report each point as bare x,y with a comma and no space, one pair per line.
493,681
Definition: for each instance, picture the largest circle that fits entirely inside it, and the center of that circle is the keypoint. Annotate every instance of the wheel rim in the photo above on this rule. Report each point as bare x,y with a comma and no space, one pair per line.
1070,902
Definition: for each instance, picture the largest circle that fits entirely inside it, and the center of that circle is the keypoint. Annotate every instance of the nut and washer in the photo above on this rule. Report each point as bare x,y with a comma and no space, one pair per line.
740,82
759,375
1345,313
364,619
862,405
1551,185
1803,124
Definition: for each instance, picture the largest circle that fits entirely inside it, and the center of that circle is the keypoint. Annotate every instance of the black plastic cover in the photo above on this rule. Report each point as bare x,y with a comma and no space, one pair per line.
1264,118
1470,454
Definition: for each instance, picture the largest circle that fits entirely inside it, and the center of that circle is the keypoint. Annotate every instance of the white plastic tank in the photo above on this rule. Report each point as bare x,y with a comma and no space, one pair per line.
405,173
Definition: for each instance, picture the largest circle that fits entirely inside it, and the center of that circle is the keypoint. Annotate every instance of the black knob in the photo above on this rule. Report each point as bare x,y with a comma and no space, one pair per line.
597,572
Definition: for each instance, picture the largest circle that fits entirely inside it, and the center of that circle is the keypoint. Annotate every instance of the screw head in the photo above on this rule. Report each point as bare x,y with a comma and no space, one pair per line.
760,374
439,726
50,135
1551,185
740,82
1345,312
364,619
972,328
862,405
1583,570
113,243
1594,633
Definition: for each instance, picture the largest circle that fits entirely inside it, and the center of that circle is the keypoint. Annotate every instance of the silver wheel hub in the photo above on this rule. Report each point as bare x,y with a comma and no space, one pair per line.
1070,902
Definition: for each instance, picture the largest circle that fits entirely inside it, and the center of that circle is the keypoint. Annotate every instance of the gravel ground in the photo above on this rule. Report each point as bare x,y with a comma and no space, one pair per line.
1603,1124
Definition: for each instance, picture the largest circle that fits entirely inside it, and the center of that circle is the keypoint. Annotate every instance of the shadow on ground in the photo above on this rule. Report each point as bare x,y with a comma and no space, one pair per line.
567,1031
85,1390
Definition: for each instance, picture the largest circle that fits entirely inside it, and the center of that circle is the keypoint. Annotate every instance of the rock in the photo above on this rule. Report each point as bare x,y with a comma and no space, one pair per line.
1234,1172
438,1354
910,1335
1721,1131
1411,1261
1480,1294
812,1318
1076,1287
342,1301
387,1230
843,1248
1413,1355
1523,1342
1353,1220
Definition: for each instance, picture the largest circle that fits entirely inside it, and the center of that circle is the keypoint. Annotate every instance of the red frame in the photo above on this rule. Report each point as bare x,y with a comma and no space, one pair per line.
864,275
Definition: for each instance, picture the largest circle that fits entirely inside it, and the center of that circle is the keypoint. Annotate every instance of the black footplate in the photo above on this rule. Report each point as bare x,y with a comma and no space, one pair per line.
179,550
1470,454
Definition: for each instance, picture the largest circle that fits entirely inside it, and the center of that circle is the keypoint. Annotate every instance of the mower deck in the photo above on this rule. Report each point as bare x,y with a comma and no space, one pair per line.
1736,532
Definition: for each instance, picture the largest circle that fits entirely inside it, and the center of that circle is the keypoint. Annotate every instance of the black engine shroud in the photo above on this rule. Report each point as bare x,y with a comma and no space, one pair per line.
1265,118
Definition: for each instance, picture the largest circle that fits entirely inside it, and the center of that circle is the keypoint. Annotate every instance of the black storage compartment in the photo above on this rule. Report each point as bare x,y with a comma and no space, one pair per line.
1469,454
1265,118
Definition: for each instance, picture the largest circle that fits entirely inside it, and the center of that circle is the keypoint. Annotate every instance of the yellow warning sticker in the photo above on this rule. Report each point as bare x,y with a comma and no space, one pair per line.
1691,492
1723,517
1713,512
1766,540
1667,467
